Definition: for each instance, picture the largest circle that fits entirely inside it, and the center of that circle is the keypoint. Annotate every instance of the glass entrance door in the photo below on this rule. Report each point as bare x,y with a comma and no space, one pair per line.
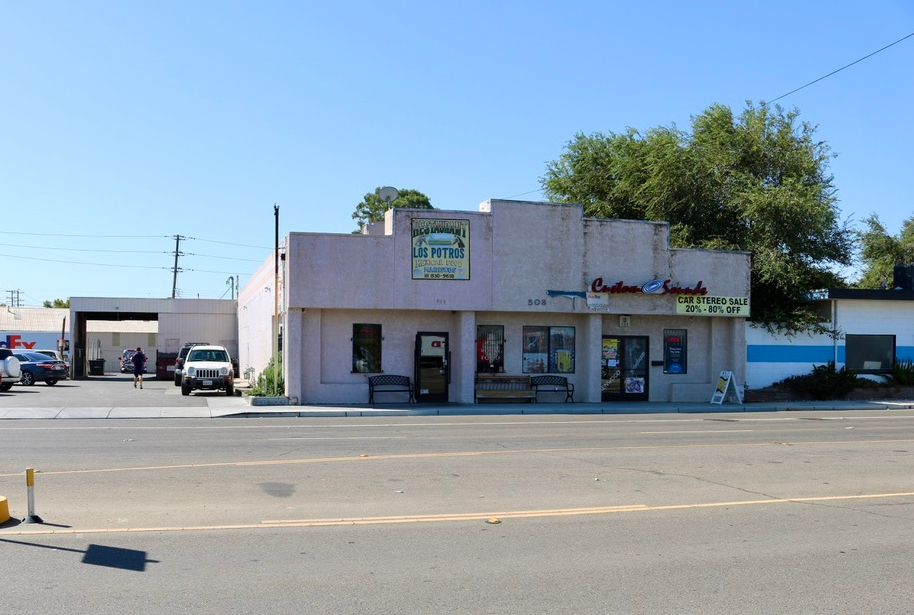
624,368
433,371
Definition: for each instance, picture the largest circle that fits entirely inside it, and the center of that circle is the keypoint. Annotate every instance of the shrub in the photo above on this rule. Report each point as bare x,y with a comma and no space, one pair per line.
825,382
269,382
902,373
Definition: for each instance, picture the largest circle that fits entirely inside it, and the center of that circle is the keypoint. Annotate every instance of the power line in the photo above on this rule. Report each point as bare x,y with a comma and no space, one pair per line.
86,236
208,271
227,243
523,194
230,258
841,69
225,258
14,245
51,260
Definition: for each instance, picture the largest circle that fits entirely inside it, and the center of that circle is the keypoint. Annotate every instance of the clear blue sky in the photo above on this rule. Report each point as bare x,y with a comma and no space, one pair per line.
125,123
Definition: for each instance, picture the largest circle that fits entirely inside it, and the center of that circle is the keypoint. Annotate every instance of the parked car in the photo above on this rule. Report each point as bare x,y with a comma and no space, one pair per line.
9,369
37,367
56,354
208,368
52,353
127,361
182,354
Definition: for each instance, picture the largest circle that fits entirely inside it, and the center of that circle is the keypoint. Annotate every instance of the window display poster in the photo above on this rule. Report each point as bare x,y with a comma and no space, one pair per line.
610,353
441,249
561,350
674,357
536,350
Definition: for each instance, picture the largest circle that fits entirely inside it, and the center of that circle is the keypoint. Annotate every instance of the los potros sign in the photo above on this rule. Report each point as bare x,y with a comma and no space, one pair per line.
690,300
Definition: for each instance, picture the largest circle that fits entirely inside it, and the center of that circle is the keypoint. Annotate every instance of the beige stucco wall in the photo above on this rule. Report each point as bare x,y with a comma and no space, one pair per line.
256,307
518,252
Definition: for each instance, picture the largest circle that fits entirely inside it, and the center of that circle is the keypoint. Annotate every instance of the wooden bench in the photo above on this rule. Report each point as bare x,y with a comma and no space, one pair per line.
501,387
553,384
389,383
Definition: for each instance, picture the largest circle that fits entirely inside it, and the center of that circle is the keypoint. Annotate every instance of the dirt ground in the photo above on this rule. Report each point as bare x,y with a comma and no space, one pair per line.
782,393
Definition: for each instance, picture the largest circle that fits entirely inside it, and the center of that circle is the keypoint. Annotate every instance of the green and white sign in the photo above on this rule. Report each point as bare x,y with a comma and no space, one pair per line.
441,249
706,305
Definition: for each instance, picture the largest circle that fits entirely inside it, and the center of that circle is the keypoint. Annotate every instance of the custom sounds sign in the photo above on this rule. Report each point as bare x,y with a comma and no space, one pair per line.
441,249
654,287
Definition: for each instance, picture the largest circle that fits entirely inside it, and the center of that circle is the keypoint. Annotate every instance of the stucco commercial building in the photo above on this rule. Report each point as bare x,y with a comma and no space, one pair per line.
517,288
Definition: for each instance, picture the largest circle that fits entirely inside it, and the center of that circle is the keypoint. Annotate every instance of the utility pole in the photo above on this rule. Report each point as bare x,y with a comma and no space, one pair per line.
15,301
276,371
174,283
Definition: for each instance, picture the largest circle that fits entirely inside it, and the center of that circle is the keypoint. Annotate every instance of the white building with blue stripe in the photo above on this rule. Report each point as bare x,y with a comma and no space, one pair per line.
875,329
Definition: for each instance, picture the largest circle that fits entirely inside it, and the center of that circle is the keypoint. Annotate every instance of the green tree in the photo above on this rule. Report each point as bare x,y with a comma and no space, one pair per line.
372,208
757,182
880,252
57,303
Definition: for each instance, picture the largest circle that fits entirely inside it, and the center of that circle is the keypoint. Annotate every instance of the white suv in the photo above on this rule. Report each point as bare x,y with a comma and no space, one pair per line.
208,368
9,369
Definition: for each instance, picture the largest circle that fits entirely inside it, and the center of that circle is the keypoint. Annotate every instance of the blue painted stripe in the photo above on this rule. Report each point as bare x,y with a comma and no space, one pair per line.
789,353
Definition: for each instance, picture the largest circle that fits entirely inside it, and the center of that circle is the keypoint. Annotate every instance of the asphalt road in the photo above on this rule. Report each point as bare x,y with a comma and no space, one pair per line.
720,513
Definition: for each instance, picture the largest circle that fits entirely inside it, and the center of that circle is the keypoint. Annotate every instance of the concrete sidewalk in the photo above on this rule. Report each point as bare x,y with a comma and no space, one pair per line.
221,407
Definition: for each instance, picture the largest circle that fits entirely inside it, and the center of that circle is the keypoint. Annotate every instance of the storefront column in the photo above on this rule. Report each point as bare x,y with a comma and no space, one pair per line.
591,367
728,346
463,367
292,353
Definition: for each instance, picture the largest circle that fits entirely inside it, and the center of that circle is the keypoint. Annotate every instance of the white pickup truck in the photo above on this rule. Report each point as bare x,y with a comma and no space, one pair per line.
9,369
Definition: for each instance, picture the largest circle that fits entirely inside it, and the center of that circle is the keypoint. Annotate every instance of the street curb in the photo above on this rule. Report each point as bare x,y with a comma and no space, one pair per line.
560,409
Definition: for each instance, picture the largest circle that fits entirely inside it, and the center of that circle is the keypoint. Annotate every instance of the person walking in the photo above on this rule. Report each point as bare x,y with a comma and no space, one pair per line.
139,360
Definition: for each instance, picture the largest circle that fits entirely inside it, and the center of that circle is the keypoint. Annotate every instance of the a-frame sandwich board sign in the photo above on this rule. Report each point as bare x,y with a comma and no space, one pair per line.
726,386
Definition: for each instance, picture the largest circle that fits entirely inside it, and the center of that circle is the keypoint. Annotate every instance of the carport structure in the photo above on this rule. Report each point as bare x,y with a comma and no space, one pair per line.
179,320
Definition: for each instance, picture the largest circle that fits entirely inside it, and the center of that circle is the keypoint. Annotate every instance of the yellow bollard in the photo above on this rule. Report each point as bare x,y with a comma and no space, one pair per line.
4,510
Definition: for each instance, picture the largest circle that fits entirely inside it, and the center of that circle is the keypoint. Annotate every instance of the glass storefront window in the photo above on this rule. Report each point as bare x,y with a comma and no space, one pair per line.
869,353
366,348
561,350
548,350
490,349
675,351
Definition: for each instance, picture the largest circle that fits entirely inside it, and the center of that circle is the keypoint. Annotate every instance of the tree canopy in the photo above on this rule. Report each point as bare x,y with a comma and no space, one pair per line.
372,208
880,252
57,303
757,182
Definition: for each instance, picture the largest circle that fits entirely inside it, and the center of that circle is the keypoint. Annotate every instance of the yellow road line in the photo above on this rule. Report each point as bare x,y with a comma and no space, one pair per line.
456,517
370,457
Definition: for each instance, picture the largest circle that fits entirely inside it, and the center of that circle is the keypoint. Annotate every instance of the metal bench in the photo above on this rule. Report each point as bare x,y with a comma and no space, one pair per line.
553,384
389,383
500,387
